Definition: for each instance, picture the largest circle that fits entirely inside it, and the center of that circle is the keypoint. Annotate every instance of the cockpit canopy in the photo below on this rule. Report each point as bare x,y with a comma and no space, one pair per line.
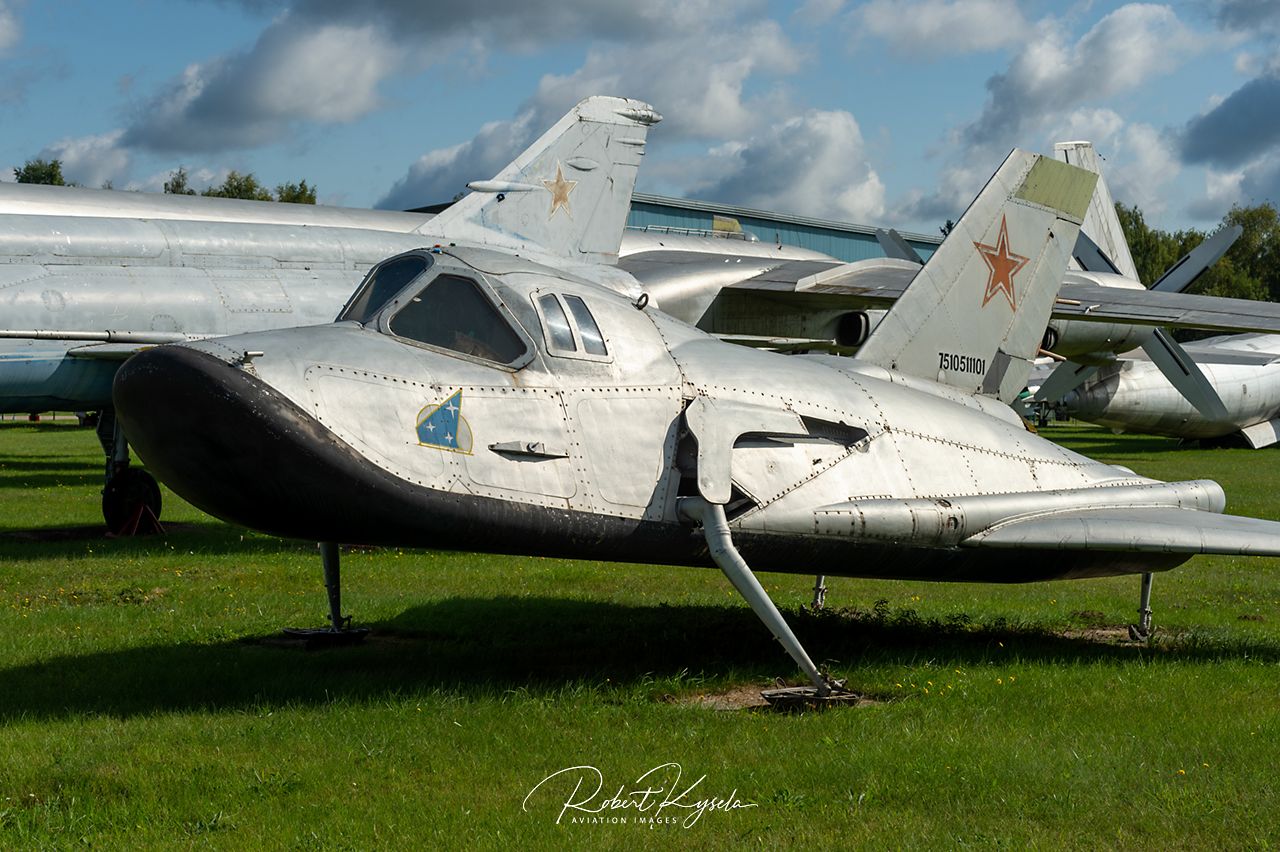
422,302
452,313
381,285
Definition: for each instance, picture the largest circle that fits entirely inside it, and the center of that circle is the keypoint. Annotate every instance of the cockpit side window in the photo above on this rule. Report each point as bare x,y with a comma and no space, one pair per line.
452,313
592,339
557,324
381,286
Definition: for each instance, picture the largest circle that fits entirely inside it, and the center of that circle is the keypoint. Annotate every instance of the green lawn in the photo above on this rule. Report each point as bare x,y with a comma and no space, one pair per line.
141,708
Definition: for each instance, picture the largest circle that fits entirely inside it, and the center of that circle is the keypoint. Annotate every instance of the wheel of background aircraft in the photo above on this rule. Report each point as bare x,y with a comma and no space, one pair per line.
130,500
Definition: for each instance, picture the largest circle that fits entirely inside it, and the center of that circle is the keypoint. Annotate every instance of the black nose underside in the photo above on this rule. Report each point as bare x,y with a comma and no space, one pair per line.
238,449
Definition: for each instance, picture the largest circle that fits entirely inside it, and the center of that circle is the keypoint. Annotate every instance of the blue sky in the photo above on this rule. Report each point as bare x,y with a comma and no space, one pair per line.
877,112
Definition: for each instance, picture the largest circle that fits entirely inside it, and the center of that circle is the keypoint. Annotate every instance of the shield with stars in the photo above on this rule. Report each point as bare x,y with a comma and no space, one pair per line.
444,427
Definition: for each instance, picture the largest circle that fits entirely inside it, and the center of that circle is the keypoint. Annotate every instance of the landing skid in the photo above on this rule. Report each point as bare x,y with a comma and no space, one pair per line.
320,638
797,698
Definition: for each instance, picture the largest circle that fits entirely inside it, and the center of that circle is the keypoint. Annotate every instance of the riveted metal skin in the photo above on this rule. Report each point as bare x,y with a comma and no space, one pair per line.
318,441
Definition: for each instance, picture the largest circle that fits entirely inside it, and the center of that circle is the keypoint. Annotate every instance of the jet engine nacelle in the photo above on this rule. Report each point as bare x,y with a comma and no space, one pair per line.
853,329
1078,339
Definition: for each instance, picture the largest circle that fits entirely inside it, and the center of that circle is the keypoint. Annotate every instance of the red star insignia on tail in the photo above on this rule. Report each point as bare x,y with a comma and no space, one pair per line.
1003,265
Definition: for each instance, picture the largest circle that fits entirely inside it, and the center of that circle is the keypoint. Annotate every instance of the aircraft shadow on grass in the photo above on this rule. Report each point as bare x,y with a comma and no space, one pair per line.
207,538
483,647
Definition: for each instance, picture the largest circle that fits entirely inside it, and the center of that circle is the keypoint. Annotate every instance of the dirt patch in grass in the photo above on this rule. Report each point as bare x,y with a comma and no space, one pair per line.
745,697
742,697
1107,635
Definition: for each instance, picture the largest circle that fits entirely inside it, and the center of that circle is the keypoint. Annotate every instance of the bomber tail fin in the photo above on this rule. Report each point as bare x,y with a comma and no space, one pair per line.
976,313
567,195
1101,224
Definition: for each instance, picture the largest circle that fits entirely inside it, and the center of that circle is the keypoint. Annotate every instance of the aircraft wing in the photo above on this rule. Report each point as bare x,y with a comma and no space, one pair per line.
1136,529
877,282
880,281
1217,355
1171,310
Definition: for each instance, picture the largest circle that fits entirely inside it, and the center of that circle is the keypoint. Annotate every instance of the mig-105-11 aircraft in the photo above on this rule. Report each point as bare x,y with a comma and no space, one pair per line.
486,395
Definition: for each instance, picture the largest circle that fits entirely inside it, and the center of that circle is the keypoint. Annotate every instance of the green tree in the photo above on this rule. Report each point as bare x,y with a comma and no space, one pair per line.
1257,252
296,193
1153,250
41,171
177,183
1249,270
238,185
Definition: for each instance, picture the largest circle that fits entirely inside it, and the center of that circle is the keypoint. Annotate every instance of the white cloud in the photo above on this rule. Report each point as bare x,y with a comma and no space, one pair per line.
704,100
90,160
1098,125
1255,182
1122,51
439,175
930,28
293,74
817,12
321,62
10,30
957,185
1146,163
814,164
1055,89
709,104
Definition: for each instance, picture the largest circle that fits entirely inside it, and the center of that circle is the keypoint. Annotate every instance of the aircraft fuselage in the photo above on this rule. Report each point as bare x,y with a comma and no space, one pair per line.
358,432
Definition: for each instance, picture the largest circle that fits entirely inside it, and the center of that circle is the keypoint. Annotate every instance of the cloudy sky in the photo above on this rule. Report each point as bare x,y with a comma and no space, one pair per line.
881,112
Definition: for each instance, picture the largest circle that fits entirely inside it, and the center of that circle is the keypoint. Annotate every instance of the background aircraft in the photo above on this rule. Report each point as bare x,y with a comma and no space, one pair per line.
1131,395
92,276
1225,386
479,399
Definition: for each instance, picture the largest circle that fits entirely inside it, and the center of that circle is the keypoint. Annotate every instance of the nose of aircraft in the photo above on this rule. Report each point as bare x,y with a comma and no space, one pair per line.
228,442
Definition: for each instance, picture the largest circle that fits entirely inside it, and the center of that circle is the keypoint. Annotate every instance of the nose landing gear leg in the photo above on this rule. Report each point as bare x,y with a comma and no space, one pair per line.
339,631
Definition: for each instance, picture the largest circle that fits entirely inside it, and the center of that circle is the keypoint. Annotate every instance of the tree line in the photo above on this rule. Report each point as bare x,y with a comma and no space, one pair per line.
234,185
1249,270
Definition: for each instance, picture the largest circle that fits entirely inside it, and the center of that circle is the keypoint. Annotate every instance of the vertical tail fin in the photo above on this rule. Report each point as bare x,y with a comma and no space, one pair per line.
975,315
1101,223
567,195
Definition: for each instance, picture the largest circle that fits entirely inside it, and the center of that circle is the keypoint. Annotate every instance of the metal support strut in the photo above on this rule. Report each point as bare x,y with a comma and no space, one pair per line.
820,592
339,631
333,585
1142,630
716,528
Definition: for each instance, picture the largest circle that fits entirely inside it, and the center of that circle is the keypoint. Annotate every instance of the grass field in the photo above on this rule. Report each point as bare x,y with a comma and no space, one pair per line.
140,706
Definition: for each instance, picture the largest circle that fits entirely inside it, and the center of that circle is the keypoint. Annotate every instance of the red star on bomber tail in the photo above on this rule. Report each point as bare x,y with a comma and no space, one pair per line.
1003,265
939,332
